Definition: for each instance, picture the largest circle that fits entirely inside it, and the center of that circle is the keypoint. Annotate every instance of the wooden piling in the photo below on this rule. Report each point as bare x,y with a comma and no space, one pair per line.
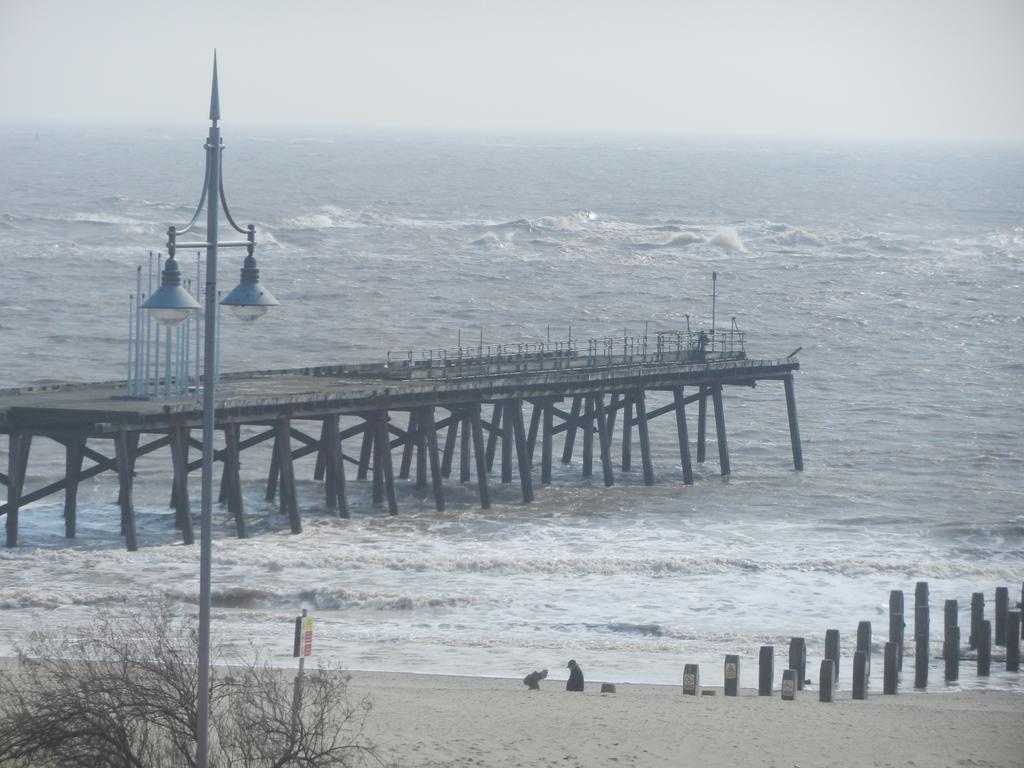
921,602
547,430
179,481
794,427
232,460
604,441
702,421
864,642
481,458
765,670
645,440
732,675
896,624
570,432
407,448
73,454
627,432
124,475
522,457
464,447
684,440
860,675
494,431
334,468
890,669
385,466
723,445
921,659
449,446
984,647
289,503
1013,641
588,436
1002,607
977,616
423,426
507,435
827,681
427,417
365,449
531,435
832,648
798,660
951,653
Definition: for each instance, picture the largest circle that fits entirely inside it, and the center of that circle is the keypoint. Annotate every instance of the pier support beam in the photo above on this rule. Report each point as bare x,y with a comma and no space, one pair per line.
73,455
684,439
493,432
794,427
627,432
645,440
603,439
123,452
449,445
334,467
723,445
407,449
426,420
519,430
179,460
464,447
547,429
365,449
289,503
479,453
588,437
383,471
702,423
19,444
508,410
232,466
570,432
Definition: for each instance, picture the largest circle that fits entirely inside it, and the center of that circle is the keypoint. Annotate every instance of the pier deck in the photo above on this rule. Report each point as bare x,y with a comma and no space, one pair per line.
277,402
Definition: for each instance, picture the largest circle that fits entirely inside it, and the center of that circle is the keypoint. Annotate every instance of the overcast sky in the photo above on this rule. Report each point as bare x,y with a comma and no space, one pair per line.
886,69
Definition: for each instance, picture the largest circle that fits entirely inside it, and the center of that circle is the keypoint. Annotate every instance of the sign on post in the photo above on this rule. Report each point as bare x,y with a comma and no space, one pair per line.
303,645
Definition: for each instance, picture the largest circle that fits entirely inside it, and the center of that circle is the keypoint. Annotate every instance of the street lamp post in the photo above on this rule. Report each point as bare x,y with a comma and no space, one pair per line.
249,300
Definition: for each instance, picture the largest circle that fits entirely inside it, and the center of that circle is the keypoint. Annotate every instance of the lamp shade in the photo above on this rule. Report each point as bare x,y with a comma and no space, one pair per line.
249,300
170,304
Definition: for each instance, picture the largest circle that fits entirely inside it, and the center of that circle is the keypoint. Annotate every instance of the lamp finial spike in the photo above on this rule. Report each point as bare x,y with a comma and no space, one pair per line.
214,95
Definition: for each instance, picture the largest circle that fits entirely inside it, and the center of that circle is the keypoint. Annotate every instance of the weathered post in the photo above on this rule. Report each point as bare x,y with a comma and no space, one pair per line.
860,675
691,679
896,624
890,671
921,635
827,681
1002,607
977,616
765,670
921,661
921,601
951,650
798,660
732,675
789,684
832,648
984,648
1013,641
864,642
794,429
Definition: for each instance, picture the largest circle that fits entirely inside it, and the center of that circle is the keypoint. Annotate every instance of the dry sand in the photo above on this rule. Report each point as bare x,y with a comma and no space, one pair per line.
428,720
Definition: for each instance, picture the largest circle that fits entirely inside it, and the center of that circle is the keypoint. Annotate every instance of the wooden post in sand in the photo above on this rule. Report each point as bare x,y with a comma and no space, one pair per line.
691,679
896,624
984,648
951,643
977,616
860,675
921,641
890,669
1002,607
921,616
864,642
765,670
798,660
1013,641
827,681
921,661
832,648
732,675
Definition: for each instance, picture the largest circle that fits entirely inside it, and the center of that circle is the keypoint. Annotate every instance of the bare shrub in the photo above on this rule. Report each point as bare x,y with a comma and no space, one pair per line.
123,695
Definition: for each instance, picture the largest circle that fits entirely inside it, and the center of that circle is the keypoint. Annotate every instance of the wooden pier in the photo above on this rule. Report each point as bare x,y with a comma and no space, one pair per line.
425,406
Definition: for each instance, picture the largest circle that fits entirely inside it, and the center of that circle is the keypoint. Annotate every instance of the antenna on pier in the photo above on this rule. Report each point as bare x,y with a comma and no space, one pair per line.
714,296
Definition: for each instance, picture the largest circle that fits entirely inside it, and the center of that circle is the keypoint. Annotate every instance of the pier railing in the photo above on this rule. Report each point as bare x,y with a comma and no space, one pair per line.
601,352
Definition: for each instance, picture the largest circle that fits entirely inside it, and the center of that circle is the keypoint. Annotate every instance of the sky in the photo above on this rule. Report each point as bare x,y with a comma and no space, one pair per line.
903,70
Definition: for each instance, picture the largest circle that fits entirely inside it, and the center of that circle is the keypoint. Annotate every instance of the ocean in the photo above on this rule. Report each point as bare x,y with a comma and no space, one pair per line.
898,271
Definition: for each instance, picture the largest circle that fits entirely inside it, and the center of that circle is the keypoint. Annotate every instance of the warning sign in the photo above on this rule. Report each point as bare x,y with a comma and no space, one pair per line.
303,645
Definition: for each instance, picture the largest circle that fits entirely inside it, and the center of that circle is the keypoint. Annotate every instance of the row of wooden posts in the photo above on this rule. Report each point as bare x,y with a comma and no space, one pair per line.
464,430
1008,633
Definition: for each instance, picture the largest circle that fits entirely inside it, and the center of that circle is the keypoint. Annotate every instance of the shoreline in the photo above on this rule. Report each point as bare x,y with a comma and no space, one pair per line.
440,720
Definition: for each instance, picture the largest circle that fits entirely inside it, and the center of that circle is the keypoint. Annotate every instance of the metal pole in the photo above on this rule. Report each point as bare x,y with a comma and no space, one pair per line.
209,359
714,296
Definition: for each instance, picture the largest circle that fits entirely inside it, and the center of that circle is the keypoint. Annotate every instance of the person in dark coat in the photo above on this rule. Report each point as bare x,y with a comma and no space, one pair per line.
575,677
532,680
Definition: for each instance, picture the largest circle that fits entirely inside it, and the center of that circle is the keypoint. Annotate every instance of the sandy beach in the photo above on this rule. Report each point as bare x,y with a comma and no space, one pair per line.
428,720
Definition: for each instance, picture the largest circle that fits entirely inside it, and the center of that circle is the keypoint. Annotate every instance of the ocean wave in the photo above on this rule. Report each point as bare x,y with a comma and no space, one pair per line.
727,239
